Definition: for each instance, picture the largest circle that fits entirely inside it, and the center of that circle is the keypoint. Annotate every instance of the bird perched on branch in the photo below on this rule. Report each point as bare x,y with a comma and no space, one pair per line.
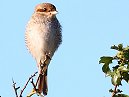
43,37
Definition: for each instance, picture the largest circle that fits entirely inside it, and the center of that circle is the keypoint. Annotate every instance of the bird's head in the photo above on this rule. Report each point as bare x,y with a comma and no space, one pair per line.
47,9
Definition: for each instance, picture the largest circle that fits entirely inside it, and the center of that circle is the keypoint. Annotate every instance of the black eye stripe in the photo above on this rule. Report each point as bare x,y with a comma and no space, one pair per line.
46,9
42,10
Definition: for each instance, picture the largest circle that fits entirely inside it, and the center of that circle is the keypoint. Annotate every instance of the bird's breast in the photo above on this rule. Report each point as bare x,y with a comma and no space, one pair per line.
43,36
40,40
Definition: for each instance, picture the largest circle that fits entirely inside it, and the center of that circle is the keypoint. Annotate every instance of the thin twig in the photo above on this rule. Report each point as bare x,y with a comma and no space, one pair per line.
14,87
27,83
33,84
114,91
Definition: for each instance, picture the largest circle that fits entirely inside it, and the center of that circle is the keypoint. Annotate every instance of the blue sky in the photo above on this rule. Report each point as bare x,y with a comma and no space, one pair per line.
90,27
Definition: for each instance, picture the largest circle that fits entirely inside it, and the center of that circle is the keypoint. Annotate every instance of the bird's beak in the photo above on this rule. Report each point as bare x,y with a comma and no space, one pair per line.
54,12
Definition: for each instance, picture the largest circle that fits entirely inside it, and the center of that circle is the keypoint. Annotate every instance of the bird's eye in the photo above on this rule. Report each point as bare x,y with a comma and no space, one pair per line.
44,9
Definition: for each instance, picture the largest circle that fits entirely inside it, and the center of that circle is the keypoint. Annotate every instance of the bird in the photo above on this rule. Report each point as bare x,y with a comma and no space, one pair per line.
43,36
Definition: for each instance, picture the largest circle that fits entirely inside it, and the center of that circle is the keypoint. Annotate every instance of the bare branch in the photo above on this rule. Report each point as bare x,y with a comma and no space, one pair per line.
33,84
27,83
114,91
15,89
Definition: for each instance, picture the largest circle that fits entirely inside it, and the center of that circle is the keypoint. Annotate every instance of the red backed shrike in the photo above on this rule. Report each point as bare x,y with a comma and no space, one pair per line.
43,37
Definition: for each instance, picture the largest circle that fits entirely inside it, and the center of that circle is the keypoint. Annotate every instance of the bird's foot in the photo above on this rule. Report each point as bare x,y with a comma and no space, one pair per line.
45,61
47,56
34,92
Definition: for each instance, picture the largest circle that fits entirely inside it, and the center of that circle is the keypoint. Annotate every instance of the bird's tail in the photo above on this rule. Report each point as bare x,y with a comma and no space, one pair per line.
42,81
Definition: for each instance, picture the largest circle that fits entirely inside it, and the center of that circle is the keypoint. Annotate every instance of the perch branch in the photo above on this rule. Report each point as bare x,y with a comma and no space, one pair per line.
15,89
33,84
27,83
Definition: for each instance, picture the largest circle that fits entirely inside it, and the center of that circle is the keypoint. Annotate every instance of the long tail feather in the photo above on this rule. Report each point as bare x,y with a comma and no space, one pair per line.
42,83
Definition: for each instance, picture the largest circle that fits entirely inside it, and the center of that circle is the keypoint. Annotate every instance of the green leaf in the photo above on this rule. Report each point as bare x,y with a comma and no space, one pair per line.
115,67
123,95
116,78
123,69
126,52
125,76
128,65
106,59
119,91
114,47
120,47
106,69
111,90
120,55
